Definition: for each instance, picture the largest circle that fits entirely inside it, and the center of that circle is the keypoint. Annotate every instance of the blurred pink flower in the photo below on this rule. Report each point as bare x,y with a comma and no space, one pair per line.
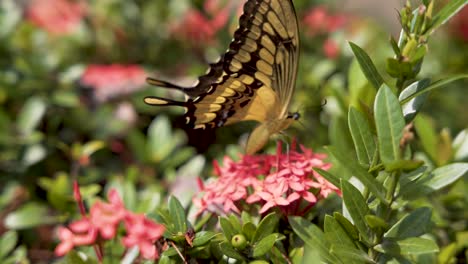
318,20
81,233
107,216
282,181
331,48
102,224
108,81
198,28
142,232
59,17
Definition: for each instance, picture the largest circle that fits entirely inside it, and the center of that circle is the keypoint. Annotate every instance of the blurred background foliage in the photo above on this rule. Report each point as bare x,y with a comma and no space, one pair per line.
72,81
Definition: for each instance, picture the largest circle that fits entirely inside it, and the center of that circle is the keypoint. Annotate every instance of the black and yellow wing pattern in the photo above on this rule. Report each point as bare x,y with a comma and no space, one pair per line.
253,80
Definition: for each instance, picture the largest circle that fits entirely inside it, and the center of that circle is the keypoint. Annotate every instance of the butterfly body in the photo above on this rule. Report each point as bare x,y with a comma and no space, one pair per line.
254,80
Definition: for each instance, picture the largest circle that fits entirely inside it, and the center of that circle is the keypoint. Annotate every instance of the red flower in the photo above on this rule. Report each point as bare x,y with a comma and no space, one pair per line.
142,232
197,28
56,16
282,181
104,220
108,81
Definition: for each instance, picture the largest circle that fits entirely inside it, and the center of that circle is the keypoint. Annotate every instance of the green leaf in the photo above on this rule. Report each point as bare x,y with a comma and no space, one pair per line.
313,237
446,13
227,227
438,84
409,247
8,242
177,212
412,106
414,224
336,234
367,66
328,176
357,208
389,123
446,175
427,135
29,215
460,145
263,246
360,173
350,254
363,138
266,227
202,238
235,223
376,222
31,114
248,229
229,251
351,230
91,147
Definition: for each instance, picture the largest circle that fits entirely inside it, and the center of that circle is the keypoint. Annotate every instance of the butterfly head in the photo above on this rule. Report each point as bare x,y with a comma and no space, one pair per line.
294,116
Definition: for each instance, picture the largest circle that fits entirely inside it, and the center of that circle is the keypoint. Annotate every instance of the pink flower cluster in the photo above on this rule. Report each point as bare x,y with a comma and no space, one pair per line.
108,81
319,21
197,27
102,224
58,17
285,181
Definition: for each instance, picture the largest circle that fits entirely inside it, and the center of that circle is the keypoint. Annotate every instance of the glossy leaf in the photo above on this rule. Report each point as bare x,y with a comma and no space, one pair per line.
264,245
367,66
350,254
28,216
412,106
460,145
227,227
202,238
266,227
362,137
360,173
328,176
313,237
31,114
414,224
8,242
446,175
357,208
448,11
229,251
389,122
178,215
408,247
336,234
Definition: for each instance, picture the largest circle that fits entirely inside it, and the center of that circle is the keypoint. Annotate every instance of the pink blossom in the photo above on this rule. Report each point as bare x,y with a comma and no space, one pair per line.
142,232
198,28
58,17
319,21
108,81
331,49
107,216
81,233
102,224
283,181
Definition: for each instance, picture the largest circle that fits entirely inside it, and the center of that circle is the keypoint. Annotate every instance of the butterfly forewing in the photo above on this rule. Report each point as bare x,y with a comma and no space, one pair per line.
254,79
